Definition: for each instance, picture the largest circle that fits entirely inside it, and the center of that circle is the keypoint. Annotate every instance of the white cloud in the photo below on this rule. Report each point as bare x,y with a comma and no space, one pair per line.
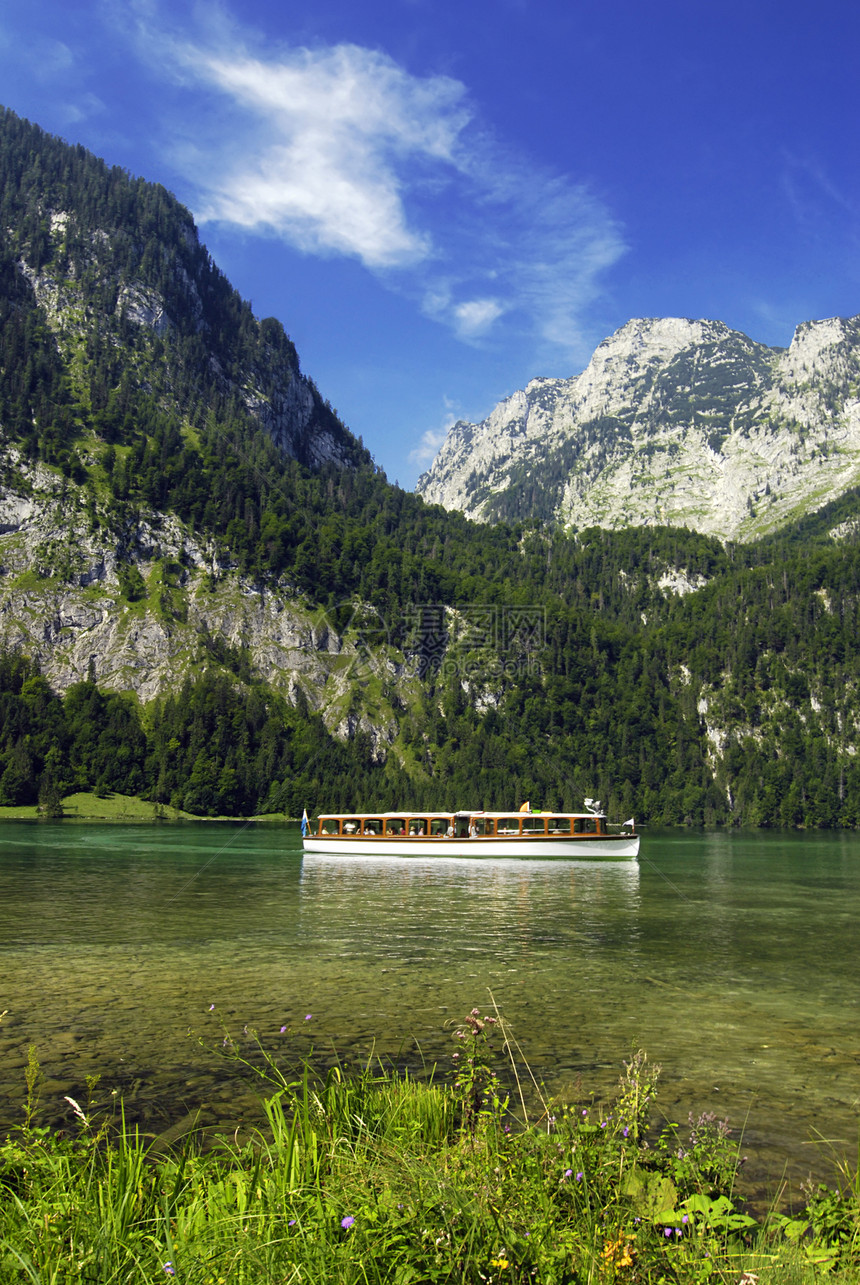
321,145
476,316
341,151
428,448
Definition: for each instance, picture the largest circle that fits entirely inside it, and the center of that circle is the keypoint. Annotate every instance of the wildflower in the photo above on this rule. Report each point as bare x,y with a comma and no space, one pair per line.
211,1008
500,1262
347,1222
291,1223
308,1016
579,1176
625,1132
168,1268
667,1231
283,1028
568,1173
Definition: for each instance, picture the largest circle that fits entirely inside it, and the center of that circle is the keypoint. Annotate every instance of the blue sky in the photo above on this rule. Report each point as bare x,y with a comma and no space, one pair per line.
442,200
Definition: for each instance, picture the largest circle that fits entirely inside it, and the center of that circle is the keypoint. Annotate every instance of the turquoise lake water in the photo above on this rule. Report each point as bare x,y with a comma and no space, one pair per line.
731,958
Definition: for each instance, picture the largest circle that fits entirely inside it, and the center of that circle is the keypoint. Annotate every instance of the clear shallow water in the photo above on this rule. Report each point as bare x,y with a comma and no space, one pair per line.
731,958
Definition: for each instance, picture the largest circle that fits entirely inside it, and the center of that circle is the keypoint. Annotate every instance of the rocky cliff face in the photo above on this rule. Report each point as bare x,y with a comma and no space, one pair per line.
272,388
672,422
143,606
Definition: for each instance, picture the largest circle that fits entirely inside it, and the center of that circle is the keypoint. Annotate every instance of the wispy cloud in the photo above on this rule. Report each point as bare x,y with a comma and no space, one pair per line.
428,447
341,151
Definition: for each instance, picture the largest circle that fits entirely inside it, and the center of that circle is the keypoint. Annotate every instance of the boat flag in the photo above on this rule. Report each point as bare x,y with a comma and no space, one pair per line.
306,825
525,807
630,822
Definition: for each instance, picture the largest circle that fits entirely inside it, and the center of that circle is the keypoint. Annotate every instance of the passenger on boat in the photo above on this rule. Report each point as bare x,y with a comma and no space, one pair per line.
473,830
449,833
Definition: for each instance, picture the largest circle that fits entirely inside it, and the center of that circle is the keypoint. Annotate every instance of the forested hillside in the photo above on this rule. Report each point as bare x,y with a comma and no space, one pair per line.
167,471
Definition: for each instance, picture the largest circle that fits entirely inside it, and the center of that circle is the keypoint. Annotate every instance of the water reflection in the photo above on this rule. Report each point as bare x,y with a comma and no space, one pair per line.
731,958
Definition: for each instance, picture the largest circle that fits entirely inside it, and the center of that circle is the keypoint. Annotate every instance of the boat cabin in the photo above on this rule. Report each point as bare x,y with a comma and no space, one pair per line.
458,825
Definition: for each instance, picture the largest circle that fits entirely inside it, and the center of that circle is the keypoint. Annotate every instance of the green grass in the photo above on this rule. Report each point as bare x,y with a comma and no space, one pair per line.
374,1178
119,807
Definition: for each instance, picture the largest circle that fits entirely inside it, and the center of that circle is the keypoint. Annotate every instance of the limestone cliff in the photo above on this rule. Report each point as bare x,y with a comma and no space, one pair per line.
674,422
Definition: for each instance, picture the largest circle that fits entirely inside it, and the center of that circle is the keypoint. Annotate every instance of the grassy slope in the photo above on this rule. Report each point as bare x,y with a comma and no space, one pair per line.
120,807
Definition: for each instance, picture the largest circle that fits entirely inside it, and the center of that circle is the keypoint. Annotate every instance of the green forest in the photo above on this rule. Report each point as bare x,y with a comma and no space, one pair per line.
736,703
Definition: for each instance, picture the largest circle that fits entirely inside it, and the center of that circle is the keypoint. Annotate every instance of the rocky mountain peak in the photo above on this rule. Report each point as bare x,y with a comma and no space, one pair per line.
673,421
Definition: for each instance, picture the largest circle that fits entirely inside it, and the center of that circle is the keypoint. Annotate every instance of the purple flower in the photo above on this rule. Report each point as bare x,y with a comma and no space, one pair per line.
308,1016
291,1223
667,1231
625,1131
568,1173
168,1268
686,1218
579,1177
211,1008
283,1028
585,1111
347,1222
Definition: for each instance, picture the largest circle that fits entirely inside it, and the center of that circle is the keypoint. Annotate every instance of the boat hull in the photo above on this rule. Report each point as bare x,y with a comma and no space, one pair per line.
603,847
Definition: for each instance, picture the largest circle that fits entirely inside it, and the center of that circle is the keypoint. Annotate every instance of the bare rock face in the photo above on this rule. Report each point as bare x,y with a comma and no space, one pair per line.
675,422
141,608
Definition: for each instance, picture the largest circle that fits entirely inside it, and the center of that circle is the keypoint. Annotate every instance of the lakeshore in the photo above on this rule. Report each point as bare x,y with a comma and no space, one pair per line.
729,958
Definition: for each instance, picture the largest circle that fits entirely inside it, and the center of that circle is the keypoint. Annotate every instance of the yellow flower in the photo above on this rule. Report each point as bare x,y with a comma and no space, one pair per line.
499,1262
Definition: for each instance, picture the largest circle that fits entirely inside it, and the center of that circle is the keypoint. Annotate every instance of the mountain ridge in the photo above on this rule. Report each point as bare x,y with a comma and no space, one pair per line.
673,420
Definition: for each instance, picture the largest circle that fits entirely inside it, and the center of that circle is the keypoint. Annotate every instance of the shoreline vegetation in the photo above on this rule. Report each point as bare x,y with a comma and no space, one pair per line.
86,806
371,1176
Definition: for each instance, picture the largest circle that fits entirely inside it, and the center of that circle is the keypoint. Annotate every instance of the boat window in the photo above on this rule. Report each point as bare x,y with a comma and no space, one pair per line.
438,827
328,825
482,825
351,825
395,826
585,825
508,825
534,825
373,825
559,825
417,826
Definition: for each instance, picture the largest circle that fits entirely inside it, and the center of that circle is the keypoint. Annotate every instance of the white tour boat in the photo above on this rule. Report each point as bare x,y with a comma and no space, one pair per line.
472,834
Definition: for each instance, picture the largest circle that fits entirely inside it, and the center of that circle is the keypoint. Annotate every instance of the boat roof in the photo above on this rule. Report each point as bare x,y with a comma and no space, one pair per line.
460,812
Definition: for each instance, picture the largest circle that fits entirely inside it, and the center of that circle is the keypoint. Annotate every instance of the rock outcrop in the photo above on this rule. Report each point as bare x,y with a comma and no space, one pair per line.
672,422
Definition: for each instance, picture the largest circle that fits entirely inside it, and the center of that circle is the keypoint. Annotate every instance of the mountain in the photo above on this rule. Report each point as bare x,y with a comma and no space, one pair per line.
675,422
211,597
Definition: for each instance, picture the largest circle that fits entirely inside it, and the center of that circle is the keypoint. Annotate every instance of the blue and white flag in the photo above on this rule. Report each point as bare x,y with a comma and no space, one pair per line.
306,825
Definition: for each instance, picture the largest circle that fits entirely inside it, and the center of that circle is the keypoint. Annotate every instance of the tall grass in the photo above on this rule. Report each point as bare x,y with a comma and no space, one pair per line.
375,1177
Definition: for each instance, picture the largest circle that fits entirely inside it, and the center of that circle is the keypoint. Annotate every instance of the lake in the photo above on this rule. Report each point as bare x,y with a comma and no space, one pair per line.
731,958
